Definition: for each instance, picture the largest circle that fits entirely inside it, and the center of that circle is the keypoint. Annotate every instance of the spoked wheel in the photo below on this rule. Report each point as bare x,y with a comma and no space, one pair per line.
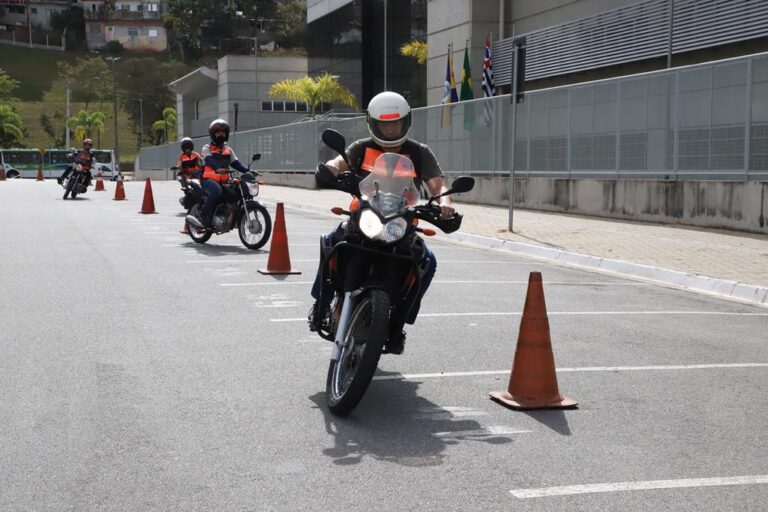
348,379
68,189
199,235
254,230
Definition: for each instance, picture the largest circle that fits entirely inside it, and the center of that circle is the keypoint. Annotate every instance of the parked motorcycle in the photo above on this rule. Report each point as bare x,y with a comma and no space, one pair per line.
76,182
374,267
238,208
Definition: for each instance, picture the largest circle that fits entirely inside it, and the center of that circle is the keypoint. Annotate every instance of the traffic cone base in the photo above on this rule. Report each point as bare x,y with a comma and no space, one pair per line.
40,174
279,261
533,381
148,205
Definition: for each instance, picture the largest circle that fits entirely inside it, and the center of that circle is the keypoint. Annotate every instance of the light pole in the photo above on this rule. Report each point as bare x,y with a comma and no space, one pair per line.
112,61
141,122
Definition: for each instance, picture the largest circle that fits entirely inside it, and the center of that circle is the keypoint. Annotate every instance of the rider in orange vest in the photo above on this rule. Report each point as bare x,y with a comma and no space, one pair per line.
217,156
83,157
389,123
189,163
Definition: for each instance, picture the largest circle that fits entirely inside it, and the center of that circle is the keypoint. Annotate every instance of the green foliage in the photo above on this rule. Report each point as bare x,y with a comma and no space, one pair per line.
415,49
292,31
313,91
7,86
53,126
165,128
85,125
114,47
71,24
11,127
89,79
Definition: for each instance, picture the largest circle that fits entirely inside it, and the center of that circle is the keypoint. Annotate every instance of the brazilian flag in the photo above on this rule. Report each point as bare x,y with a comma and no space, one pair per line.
466,93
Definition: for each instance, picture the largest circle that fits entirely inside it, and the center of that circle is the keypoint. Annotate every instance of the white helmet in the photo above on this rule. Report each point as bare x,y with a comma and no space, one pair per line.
388,107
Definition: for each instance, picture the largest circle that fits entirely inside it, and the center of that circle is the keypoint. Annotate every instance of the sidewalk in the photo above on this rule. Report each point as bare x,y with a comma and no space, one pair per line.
729,264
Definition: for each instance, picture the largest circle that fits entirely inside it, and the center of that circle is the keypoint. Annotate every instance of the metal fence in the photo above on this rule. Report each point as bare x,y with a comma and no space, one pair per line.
706,121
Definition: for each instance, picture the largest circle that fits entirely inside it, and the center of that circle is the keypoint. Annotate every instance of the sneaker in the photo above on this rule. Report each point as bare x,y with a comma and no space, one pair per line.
395,344
323,321
194,221
59,180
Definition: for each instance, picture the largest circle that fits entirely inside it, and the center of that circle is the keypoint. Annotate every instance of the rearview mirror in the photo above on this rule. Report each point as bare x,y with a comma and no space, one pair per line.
256,156
334,140
462,184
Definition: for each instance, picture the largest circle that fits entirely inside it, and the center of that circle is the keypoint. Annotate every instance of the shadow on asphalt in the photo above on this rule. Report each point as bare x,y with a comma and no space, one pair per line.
393,423
552,418
221,250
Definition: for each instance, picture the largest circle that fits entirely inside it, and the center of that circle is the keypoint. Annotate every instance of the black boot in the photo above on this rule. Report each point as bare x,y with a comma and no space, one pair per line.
395,343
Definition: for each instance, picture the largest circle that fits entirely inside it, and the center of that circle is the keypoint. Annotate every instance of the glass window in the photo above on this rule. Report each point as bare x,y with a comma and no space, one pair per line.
34,10
301,106
266,106
290,106
103,157
133,32
278,106
152,32
125,7
140,7
153,7
56,156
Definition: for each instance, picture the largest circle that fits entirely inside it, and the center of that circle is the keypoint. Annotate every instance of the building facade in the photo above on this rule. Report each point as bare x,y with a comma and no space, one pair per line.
360,40
136,24
21,15
237,91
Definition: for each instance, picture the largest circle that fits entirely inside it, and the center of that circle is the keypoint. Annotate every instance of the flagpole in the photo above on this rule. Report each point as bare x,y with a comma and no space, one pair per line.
494,131
514,126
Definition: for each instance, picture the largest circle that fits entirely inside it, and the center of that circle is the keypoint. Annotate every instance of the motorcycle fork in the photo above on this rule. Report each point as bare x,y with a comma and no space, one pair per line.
348,305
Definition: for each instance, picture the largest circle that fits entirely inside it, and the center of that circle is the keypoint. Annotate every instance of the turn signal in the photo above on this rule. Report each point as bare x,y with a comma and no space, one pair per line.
337,210
429,232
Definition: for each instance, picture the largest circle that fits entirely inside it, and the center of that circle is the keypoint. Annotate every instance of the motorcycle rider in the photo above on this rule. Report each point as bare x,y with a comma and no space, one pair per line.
216,155
189,163
389,123
83,157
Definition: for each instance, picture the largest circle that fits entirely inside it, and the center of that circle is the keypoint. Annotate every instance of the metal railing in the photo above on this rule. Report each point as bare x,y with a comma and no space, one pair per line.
708,121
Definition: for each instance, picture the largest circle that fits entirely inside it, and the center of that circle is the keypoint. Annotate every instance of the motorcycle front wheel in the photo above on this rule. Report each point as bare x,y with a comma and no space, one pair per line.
255,228
349,377
68,189
198,235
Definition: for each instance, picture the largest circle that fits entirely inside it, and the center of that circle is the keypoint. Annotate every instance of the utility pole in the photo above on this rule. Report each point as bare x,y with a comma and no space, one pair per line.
141,123
112,61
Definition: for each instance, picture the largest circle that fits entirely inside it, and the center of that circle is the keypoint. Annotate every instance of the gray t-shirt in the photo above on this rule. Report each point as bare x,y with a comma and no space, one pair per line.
430,168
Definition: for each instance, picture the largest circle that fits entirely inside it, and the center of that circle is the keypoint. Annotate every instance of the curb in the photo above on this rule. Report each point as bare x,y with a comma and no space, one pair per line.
687,281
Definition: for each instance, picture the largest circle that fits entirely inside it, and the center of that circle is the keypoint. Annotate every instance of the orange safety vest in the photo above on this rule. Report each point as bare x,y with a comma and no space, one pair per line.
84,158
221,158
189,162
370,156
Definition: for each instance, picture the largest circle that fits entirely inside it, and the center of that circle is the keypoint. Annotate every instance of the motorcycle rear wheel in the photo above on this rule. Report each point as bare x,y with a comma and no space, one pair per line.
349,377
198,235
255,237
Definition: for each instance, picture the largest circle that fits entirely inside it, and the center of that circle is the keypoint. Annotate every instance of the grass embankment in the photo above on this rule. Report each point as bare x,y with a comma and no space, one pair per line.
42,92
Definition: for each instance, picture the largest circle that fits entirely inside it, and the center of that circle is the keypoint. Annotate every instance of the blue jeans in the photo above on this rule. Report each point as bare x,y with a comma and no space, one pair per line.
213,193
425,281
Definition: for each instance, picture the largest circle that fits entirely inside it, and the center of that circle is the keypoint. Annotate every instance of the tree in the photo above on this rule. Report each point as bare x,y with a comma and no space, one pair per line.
292,31
165,127
85,125
71,24
89,79
7,86
53,126
314,91
186,18
11,127
415,49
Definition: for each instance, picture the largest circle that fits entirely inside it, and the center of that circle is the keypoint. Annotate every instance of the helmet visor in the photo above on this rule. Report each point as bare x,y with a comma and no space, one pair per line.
390,130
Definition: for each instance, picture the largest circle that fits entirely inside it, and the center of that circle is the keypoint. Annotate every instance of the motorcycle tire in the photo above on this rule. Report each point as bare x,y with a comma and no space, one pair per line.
257,240
68,189
349,377
198,235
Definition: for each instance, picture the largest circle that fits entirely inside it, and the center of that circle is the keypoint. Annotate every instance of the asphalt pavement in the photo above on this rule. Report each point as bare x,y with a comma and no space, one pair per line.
142,371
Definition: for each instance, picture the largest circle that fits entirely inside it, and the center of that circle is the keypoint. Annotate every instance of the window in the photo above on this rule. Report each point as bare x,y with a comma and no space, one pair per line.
278,106
125,7
153,7
140,7
301,106
16,9
95,28
290,106
93,7
152,32
34,10
133,31
266,106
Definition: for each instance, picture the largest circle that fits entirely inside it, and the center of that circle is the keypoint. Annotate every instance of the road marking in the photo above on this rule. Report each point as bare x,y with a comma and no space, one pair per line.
411,376
438,281
215,261
267,284
570,313
494,430
316,259
638,486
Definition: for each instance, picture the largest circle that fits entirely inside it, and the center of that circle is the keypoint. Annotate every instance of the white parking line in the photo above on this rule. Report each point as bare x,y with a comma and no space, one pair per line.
638,486
494,430
412,376
568,313
266,284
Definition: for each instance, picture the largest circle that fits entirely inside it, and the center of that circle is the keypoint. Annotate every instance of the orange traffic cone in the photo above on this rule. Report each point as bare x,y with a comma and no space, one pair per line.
40,173
533,382
279,261
148,205
2,173
99,184
119,192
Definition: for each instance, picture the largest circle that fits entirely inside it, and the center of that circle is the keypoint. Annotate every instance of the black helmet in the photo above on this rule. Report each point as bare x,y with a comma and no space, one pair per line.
218,125
187,143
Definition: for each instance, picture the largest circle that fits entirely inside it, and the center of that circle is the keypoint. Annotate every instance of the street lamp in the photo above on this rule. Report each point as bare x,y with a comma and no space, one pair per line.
112,61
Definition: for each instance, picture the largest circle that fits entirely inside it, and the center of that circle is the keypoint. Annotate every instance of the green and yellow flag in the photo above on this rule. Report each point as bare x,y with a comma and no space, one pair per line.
466,79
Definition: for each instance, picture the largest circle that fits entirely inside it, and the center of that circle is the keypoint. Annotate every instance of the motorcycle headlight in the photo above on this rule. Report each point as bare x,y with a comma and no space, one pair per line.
372,227
253,188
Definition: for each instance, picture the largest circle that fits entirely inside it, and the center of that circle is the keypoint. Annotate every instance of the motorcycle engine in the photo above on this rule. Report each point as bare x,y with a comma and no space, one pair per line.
224,217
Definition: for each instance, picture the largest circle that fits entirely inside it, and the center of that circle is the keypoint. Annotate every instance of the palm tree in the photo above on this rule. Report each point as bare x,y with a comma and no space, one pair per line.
85,125
326,88
10,127
167,125
415,49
